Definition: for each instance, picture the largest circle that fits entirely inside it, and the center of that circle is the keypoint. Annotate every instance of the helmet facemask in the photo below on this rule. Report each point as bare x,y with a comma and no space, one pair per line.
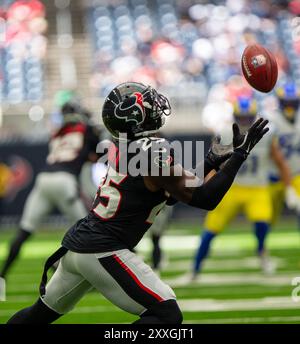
157,107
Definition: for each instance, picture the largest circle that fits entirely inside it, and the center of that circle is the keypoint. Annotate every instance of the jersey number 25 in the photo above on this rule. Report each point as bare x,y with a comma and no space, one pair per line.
114,197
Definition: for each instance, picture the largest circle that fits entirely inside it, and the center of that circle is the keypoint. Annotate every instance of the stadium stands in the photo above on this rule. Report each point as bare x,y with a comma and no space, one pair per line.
22,51
184,48
181,46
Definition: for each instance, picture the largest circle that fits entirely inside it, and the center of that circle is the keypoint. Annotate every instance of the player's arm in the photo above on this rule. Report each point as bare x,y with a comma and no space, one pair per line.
291,197
206,196
210,193
216,156
281,164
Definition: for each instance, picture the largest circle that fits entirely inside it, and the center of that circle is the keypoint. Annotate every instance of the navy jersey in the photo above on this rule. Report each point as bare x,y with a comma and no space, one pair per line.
70,147
124,208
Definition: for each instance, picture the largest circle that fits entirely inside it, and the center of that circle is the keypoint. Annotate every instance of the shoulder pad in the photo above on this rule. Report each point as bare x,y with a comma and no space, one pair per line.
157,153
148,143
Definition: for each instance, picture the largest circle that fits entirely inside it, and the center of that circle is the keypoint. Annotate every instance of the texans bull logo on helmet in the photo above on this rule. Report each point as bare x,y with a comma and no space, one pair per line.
132,109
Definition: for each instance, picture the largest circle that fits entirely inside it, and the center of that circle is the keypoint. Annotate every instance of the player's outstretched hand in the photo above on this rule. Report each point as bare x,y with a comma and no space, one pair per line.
218,153
245,142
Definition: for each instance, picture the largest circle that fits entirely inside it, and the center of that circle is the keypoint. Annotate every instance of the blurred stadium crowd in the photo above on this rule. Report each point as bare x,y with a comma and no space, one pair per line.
22,50
181,47
185,47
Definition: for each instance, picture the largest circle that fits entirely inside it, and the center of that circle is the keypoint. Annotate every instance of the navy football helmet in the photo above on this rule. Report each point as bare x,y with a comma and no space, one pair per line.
134,109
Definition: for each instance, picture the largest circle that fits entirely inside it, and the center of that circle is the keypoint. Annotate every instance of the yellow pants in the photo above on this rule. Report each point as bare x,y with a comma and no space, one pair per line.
254,202
277,195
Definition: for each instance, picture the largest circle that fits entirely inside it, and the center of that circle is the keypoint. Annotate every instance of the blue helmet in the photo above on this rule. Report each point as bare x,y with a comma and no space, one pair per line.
289,100
244,111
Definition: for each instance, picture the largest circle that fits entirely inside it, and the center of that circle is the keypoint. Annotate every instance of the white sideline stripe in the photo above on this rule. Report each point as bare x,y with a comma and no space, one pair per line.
19,277
184,293
78,310
206,279
207,305
233,279
96,296
24,287
180,266
186,265
228,242
248,320
20,298
196,305
228,264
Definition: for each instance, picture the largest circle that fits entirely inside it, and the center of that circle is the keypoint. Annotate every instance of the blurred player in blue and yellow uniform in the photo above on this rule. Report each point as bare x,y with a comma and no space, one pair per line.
286,122
250,192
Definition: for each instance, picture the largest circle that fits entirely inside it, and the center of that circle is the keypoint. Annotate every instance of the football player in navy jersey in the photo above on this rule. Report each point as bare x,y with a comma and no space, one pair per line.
56,185
97,251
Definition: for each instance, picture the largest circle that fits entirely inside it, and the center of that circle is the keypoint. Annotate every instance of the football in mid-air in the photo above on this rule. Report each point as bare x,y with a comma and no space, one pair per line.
259,68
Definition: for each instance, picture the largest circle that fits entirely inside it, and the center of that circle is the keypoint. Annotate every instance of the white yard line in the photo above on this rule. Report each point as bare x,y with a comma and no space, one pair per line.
24,287
246,320
206,279
196,305
77,310
229,242
228,264
279,279
207,305
186,265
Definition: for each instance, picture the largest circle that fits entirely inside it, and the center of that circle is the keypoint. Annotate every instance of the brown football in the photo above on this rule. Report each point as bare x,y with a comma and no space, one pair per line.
259,68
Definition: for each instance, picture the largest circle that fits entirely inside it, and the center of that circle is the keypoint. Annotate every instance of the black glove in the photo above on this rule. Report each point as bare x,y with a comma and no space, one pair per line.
218,153
244,143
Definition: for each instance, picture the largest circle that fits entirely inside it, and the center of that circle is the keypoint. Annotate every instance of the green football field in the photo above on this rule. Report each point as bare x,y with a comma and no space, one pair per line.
232,289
